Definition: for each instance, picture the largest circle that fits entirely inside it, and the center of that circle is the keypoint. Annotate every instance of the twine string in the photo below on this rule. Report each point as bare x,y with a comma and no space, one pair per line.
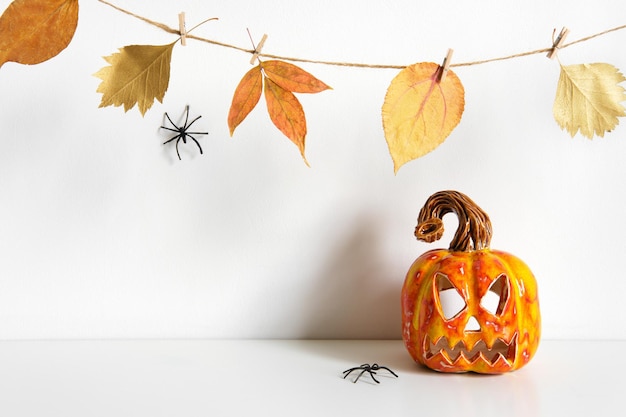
349,64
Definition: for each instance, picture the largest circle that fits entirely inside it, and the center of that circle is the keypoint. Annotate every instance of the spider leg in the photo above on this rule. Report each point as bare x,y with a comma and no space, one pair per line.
178,153
171,130
171,139
194,139
384,367
365,365
348,371
187,126
372,373
168,118
186,117
362,372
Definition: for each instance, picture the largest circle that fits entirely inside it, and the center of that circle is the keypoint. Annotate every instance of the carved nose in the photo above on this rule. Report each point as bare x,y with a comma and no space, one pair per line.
472,325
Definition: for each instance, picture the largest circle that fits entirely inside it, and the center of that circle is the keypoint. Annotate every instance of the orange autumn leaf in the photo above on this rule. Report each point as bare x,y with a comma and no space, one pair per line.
279,80
292,78
420,111
246,97
33,31
286,113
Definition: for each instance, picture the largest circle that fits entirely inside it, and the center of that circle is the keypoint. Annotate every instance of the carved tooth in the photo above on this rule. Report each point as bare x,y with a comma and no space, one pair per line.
462,358
500,345
459,347
455,351
478,347
442,344
428,347
500,358
512,349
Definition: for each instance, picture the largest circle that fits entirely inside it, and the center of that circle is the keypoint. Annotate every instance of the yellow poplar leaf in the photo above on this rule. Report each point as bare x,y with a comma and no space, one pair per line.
286,113
246,97
137,75
33,31
419,111
292,78
588,98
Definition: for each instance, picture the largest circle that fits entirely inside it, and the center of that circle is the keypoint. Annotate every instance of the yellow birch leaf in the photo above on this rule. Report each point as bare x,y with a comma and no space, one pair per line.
419,111
245,98
137,75
292,78
33,31
588,98
286,113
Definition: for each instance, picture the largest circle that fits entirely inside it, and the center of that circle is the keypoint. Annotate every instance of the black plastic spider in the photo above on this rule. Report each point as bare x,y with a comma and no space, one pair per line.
181,132
366,367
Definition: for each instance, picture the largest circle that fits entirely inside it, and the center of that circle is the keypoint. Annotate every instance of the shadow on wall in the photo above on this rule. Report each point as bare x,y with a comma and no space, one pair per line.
357,293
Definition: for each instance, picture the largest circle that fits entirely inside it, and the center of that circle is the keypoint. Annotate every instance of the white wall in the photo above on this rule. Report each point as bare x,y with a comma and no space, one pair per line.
104,233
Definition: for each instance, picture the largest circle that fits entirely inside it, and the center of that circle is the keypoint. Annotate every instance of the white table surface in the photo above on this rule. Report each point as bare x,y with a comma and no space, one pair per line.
296,378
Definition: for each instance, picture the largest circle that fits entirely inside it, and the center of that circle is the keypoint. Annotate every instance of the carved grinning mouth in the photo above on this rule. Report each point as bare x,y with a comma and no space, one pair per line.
500,349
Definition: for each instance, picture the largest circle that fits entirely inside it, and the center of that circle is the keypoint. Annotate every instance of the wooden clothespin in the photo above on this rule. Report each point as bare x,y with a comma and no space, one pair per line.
556,43
257,49
445,66
182,29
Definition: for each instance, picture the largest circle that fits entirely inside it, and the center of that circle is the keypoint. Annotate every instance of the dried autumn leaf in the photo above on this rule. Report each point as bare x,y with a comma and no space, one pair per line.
137,75
419,111
279,80
286,113
246,97
292,78
588,99
33,31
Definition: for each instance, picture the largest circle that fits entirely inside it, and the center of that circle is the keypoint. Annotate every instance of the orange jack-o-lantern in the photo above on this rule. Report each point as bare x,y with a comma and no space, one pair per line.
494,324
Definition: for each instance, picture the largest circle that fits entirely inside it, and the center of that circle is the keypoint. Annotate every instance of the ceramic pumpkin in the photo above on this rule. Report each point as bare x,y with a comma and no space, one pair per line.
495,325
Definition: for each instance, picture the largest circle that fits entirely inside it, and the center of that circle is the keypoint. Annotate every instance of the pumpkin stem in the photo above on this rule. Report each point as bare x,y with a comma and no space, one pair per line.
474,230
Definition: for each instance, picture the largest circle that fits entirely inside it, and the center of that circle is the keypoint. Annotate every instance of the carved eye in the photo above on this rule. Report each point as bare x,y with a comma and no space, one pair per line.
497,296
451,302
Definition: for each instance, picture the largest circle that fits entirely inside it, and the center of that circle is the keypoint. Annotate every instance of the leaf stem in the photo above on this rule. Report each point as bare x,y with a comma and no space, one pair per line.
202,23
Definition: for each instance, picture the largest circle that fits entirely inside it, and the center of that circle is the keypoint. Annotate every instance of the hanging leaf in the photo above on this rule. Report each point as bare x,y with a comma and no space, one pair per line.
137,75
33,31
292,78
419,111
286,113
279,80
588,98
246,97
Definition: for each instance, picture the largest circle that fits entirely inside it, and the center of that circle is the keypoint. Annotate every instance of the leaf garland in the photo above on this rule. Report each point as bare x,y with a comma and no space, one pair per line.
33,31
278,80
419,111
